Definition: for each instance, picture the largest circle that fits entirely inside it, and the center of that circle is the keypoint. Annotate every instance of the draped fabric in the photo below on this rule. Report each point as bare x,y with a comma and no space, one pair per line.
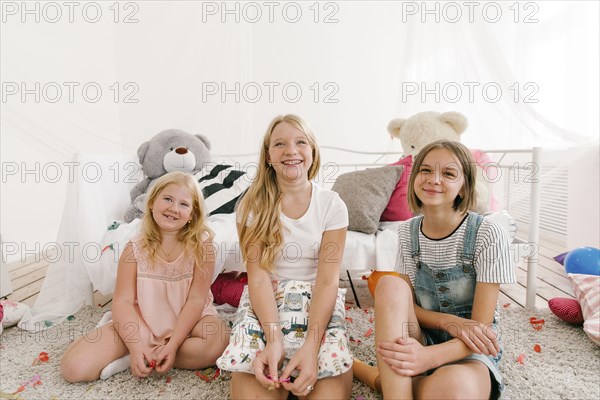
524,73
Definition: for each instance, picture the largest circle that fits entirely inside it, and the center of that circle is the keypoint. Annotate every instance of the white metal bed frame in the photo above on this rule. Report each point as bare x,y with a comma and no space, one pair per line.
524,245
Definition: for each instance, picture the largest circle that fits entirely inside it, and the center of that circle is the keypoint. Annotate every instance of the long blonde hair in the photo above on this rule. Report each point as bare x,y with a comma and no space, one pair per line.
191,235
262,201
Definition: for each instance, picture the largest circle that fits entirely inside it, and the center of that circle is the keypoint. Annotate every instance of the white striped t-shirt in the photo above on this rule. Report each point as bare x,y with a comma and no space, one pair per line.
493,262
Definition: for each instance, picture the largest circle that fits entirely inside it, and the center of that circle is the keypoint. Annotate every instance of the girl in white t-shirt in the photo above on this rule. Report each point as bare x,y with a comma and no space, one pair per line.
436,328
291,229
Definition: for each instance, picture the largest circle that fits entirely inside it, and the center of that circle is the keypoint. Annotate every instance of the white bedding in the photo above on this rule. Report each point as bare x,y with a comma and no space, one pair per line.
362,251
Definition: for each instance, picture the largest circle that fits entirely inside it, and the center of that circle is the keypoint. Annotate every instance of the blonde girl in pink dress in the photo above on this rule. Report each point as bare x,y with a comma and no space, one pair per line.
162,304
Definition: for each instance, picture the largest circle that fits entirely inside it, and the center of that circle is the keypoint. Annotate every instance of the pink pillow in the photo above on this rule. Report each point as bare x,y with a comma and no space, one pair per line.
587,291
397,208
566,309
483,160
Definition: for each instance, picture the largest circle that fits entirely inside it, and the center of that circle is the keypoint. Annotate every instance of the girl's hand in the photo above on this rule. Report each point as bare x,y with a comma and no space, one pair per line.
165,357
266,364
406,357
478,337
139,362
305,361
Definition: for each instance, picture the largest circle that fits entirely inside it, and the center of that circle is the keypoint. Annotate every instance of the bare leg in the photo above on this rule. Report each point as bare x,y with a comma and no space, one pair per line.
466,380
335,387
245,386
206,343
394,317
85,358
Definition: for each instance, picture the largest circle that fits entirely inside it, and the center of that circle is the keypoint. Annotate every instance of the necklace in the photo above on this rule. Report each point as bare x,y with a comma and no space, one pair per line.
168,254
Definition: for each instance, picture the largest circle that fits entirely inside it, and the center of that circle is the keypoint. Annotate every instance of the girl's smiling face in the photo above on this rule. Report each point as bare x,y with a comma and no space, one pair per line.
439,179
172,208
289,153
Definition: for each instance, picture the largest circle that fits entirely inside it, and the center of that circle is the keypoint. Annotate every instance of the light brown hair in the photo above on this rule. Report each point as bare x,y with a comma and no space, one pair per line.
462,203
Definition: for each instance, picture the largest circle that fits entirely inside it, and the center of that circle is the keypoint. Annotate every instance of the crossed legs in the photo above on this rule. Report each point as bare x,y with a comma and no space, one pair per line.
245,386
85,358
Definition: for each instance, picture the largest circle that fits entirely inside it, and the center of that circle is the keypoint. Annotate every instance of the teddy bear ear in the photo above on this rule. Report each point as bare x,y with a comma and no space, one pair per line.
142,150
205,140
456,120
394,127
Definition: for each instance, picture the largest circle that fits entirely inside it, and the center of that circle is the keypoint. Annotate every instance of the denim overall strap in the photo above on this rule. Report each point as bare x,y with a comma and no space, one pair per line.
473,222
415,251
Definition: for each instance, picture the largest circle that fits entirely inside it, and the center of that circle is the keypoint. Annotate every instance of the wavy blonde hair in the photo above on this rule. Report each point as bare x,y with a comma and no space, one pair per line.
263,236
467,163
192,233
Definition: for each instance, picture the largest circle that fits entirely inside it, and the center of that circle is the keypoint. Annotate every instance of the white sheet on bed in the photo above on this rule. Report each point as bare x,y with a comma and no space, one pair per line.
376,251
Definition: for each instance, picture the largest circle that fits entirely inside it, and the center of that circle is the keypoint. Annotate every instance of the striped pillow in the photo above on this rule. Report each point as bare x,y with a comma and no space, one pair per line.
222,186
587,292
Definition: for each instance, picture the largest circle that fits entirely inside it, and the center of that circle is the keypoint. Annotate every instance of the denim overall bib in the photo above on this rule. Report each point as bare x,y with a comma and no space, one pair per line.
452,290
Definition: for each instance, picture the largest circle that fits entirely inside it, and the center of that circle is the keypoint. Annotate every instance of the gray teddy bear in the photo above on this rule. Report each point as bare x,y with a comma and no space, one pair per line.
170,150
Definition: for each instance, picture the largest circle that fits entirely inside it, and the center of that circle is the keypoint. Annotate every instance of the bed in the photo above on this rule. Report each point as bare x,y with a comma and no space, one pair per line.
87,253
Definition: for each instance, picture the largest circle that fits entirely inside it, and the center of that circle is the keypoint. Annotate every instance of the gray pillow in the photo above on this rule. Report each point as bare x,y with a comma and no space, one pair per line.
366,194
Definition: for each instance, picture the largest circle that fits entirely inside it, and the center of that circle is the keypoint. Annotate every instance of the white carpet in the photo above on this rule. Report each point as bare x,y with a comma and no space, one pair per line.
567,367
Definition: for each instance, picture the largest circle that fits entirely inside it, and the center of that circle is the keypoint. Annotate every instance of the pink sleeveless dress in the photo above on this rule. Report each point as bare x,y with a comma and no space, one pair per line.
162,291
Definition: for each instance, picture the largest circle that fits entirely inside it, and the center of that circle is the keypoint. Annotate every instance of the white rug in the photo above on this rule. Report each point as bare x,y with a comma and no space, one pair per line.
567,367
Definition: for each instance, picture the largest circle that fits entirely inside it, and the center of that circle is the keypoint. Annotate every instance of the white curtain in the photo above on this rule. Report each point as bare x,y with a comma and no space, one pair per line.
357,64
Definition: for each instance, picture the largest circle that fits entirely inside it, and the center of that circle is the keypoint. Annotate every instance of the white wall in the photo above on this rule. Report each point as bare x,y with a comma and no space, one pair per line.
583,224
361,58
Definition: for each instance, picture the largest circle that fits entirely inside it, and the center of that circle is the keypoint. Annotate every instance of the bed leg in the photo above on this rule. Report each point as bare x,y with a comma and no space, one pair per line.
352,286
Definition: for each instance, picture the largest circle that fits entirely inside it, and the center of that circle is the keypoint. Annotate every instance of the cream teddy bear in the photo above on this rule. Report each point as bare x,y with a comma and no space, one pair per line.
425,127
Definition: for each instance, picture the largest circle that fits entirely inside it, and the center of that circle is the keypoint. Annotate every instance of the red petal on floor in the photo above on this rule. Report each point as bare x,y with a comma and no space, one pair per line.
521,359
506,305
349,319
536,324
537,348
204,378
369,332
169,379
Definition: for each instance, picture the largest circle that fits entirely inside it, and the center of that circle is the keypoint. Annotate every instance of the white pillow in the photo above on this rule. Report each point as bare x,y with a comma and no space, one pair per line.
13,312
222,185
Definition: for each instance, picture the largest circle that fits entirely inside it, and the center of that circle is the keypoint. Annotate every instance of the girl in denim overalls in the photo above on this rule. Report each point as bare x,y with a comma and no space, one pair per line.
436,327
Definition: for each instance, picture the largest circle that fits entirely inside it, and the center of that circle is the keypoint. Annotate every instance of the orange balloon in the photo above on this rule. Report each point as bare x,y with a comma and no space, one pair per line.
374,278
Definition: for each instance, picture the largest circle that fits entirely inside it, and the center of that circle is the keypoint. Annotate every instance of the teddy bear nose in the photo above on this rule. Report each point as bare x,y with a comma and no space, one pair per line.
181,150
